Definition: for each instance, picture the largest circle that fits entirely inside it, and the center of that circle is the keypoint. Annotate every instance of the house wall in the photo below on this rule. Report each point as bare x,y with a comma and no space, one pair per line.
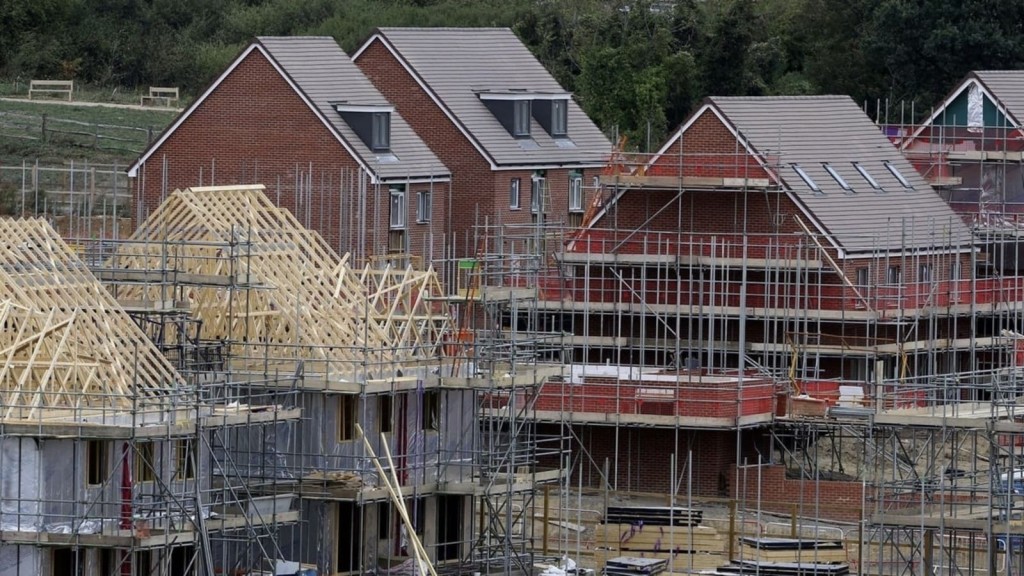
254,128
479,195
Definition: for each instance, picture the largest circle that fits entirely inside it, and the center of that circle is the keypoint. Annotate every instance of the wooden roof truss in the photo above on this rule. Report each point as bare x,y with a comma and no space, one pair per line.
65,344
406,303
273,290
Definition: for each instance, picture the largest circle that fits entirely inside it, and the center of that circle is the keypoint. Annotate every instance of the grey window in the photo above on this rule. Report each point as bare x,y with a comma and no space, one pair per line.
381,131
575,193
423,206
398,209
513,194
559,117
521,118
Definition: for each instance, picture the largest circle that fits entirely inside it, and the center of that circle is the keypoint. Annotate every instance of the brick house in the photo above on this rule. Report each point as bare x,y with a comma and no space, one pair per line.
294,114
520,149
773,245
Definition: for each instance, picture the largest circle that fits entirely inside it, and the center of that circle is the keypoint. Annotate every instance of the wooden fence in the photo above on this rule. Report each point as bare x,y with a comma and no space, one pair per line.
90,135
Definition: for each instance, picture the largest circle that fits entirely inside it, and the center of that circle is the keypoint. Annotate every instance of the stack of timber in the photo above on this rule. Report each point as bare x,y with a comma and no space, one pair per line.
653,515
792,550
629,566
658,533
339,478
785,569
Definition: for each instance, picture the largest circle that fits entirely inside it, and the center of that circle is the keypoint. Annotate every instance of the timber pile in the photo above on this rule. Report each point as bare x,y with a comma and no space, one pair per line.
629,566
69,349
338,478
653,515
792,550
659,533
785,569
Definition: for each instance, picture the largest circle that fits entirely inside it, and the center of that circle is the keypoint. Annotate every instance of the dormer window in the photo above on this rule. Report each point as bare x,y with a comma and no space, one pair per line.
521,119
559,117
381,137
516,109
371,123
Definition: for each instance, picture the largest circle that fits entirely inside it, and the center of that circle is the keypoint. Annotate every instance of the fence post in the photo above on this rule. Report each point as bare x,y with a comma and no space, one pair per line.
44,128
149,135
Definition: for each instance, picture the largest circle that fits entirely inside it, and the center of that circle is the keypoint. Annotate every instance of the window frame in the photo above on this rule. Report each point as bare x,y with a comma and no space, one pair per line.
806,178
521,117
398,218
894,274
559,118
867,176
536,193
576,193
431,410
837,177
184,459
96,458
347,411
515,197
144,453
424,206
898,175
385,414
380,131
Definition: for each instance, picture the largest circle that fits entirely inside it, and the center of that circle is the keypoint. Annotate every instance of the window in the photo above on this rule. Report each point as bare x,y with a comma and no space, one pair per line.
96,461
513,194
347,417
385,418
431,409
185,459
145,462
899,177
398,209
559,117
384,520
839,179
575,193
536,193
381,139
867,176
521,119
423,206
954,276
863,276
806,178
924,273
894,274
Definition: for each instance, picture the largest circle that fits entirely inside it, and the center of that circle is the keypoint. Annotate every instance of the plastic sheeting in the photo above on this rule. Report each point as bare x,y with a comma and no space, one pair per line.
975,109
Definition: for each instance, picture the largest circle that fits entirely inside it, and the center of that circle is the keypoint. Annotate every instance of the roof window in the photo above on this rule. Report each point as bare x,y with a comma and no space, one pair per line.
806,178
867,176
839,179
899,177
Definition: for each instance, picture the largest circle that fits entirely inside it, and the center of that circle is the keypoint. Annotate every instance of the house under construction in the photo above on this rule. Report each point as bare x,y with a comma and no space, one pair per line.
775,314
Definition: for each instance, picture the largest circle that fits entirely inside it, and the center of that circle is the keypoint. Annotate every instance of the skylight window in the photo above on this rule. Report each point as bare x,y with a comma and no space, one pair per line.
839,179
899,177
867,176
806,178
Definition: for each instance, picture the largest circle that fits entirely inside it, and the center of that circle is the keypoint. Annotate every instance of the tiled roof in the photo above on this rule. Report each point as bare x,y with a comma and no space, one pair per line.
811,131
327,76
457,64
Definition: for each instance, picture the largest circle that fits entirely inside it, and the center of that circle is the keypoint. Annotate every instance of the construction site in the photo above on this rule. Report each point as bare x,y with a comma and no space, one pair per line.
714,372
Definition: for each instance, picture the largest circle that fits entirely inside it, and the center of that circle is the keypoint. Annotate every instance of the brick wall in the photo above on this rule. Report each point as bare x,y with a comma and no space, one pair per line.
769,486
255,129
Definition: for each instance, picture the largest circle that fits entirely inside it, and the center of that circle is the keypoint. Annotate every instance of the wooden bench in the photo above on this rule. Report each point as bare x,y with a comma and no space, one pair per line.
162,95
51,87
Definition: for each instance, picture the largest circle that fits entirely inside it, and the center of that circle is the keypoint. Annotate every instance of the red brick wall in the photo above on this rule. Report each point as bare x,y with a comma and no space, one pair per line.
708,149
255,129
837,500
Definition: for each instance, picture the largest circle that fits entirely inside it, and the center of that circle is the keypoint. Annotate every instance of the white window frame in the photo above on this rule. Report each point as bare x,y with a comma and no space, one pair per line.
514,194
380,138
399,209
521,111
559,117
576,193
424,205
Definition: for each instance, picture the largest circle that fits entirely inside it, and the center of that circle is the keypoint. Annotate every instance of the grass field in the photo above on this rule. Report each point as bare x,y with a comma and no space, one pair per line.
99,134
